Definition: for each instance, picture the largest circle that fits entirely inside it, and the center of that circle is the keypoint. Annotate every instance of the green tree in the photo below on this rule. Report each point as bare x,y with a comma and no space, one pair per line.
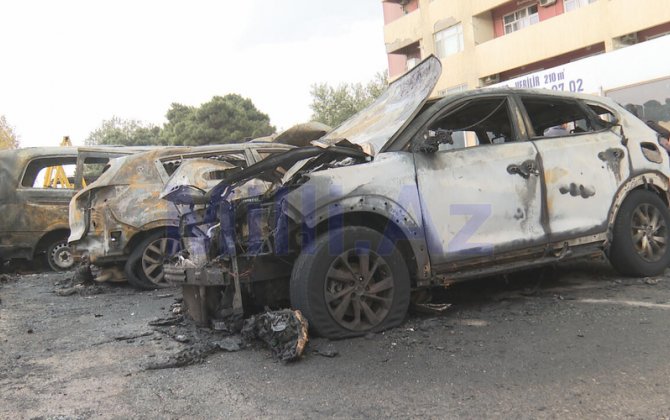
334,105
8,138
224,119
117,131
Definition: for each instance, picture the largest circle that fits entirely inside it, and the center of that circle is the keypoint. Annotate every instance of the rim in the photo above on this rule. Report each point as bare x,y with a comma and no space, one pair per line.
62,256
359,289
157,253
649,232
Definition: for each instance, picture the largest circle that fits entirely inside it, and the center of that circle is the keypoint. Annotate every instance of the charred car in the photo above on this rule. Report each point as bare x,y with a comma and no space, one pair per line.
410,194
36,185
120,224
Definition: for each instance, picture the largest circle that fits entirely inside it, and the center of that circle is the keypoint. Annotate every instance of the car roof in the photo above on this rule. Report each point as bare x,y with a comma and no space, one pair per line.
523,92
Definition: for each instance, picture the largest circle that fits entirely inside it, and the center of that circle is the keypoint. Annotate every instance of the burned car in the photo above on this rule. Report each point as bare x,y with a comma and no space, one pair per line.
36,185
411,194
122,227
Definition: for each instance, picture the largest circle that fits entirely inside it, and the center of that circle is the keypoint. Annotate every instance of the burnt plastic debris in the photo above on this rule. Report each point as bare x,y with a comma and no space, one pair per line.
284,331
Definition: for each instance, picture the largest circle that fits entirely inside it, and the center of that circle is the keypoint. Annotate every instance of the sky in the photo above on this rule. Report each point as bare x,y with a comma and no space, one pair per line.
68,65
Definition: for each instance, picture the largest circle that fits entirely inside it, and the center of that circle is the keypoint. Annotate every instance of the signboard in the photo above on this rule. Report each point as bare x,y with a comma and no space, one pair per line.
638,63
638,77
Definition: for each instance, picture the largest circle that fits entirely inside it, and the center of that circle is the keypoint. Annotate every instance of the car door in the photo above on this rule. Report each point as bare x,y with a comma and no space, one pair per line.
43,196
480,194
583,163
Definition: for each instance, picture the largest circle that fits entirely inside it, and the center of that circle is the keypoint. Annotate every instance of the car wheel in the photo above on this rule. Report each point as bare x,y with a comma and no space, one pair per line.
361,287
641,236
144,268
59,256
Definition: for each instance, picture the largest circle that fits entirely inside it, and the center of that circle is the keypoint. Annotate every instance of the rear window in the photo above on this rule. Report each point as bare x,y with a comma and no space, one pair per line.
51,172
552,117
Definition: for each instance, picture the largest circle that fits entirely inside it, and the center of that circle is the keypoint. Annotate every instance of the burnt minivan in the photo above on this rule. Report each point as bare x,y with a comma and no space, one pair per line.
34,201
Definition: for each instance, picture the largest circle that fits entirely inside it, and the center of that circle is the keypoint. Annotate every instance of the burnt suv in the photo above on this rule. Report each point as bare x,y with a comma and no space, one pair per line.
410,194
34,205
120,224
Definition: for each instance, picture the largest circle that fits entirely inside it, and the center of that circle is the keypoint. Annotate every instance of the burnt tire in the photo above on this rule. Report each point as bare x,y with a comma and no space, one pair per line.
641,236
59,256
144,267
338,295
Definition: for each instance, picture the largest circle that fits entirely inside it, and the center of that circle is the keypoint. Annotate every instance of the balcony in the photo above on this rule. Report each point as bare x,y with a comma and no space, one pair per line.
541,41
403,32
481,6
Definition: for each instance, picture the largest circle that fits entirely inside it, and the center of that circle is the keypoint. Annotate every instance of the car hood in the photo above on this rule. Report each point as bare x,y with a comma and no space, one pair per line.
189,183
377,125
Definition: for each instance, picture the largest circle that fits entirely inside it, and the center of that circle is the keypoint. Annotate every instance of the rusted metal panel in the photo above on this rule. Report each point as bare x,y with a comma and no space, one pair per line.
29,213
126,199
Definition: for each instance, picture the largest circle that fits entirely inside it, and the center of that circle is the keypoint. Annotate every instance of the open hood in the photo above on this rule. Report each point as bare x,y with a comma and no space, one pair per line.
195,177
377,124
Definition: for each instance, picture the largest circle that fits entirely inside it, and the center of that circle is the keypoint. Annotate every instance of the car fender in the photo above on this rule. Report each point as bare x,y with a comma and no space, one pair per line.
648,180
386,187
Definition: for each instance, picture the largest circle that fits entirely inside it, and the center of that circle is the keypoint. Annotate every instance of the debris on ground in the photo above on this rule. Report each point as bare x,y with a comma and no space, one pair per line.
5,278
133,336
232,343
284,331
165,322
81,283
325,351
184,358
177,308
430,308
83,274
113,274
80,289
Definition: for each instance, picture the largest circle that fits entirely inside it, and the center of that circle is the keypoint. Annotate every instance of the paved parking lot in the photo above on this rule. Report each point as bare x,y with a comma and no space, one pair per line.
575,342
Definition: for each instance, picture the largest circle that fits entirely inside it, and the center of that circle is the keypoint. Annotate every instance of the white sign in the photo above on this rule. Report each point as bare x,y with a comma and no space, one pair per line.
623,67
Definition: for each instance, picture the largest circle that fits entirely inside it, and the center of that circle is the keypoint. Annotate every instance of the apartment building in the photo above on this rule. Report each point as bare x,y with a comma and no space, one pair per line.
488,42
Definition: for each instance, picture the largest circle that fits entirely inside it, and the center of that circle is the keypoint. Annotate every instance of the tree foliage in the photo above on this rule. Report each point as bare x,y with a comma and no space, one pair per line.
117,131
224,119
8,138
334,105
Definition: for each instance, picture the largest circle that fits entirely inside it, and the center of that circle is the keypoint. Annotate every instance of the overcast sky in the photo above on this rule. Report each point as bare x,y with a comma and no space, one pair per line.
67,65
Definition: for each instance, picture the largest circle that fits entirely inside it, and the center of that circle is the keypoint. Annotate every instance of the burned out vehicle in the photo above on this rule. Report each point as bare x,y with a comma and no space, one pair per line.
36,185
410,194
120,224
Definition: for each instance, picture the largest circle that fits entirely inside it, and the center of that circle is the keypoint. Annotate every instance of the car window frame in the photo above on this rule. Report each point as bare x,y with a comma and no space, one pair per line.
589,113
49,156
83,155
519,133
164,176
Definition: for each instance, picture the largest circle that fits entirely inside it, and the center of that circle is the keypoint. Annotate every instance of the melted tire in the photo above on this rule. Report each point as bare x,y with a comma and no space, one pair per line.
623,254
310,276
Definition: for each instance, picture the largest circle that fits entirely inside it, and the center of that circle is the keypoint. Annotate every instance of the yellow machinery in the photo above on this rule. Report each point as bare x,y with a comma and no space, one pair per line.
55,176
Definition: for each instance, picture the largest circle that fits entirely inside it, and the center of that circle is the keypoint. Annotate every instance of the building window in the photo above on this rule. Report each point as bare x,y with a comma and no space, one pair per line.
571,5
521,19
449,41
412,62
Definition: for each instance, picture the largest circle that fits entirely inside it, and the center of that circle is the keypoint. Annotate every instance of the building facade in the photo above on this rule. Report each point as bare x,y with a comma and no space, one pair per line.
488,42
